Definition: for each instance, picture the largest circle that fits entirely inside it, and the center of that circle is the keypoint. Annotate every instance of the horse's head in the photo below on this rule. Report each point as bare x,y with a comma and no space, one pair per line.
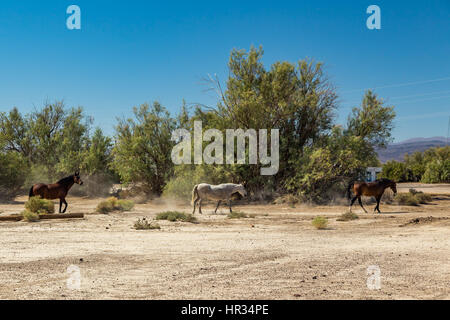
393,187
77,179
241,190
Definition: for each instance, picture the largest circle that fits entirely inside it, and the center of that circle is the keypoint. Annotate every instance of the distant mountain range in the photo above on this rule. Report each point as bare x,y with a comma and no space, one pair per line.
397,151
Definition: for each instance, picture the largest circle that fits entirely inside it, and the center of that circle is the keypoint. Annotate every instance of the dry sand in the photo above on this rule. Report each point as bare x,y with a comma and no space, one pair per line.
277,254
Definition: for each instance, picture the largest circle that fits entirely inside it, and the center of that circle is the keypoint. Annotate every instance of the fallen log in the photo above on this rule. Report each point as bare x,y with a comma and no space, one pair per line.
45,216
62,216
11,218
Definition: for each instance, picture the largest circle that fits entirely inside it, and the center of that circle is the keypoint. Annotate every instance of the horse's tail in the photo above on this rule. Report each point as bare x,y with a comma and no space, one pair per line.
31,193
194,193
349,190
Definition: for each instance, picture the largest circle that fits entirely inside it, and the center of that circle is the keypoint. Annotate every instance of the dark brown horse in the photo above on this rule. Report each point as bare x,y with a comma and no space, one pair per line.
57,190
372,189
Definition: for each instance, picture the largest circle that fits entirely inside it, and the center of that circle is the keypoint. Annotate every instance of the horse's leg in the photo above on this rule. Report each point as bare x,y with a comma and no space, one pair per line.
195,203
218,204
60,205
360,203
229,203
200,206
65,202
378,204
353,201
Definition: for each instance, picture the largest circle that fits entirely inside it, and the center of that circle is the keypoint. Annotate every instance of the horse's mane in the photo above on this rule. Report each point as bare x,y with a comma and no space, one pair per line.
66,180
384,181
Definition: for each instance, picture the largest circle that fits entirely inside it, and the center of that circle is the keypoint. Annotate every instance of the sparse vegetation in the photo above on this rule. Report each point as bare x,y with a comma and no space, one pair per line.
320,222
407,199
176,216
30,216
348,216
114,204
143,224
236,215
39,206
412,198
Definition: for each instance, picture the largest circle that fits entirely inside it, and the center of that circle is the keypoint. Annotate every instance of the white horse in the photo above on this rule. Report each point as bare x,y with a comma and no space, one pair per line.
221,192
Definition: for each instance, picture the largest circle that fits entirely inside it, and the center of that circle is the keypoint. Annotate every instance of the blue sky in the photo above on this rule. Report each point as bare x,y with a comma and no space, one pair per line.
130,52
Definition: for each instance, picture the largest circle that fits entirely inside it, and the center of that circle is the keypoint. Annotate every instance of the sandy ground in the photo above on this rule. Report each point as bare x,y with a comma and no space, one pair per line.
277,254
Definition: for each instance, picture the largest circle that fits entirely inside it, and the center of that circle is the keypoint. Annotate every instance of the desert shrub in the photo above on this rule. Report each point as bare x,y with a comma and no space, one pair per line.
423,198
288,199
348,216
176,216
143,224
40,206
114,204
407,199
126,205
320,222
413,198
236,215
30,216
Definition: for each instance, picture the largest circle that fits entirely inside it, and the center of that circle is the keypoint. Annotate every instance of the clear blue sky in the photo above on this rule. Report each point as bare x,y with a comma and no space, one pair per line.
130,52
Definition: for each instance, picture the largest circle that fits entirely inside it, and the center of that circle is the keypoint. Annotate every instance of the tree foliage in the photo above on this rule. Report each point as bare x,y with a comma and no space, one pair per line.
142,152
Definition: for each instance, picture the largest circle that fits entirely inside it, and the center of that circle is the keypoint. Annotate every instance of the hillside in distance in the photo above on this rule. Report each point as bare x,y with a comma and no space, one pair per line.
397,151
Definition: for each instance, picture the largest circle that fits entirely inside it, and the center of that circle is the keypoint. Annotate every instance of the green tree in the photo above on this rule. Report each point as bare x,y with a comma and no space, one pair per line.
372,121
142,152
298,99
14,170
395,170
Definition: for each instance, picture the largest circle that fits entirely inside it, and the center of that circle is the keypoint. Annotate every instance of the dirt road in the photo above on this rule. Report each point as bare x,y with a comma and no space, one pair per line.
277,254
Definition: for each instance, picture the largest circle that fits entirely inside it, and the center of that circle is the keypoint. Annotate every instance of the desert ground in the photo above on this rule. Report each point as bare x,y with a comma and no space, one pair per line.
274,254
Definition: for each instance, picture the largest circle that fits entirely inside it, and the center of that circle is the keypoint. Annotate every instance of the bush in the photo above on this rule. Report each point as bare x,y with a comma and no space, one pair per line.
40,206
176,216
407,199
320,222
236,215
30,216
114,204
423,198
143,224
288,199
413,198
348,216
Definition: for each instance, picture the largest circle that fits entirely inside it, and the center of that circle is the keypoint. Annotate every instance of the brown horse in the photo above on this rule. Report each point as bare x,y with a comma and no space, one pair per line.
373,189
57,190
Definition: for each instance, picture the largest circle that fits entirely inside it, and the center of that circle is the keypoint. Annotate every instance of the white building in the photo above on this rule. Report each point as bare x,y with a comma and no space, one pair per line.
371,173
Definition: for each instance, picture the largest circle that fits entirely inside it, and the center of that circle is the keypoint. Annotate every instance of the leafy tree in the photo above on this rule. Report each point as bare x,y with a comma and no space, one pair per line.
324,170
15,133
372,121
142,153
395,170
14,170
298,99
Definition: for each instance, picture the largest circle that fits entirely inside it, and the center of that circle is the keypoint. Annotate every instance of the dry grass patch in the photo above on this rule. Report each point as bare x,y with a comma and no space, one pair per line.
320,222
348,216
114,204
30,216
143,224
176,216
237,215
39,206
